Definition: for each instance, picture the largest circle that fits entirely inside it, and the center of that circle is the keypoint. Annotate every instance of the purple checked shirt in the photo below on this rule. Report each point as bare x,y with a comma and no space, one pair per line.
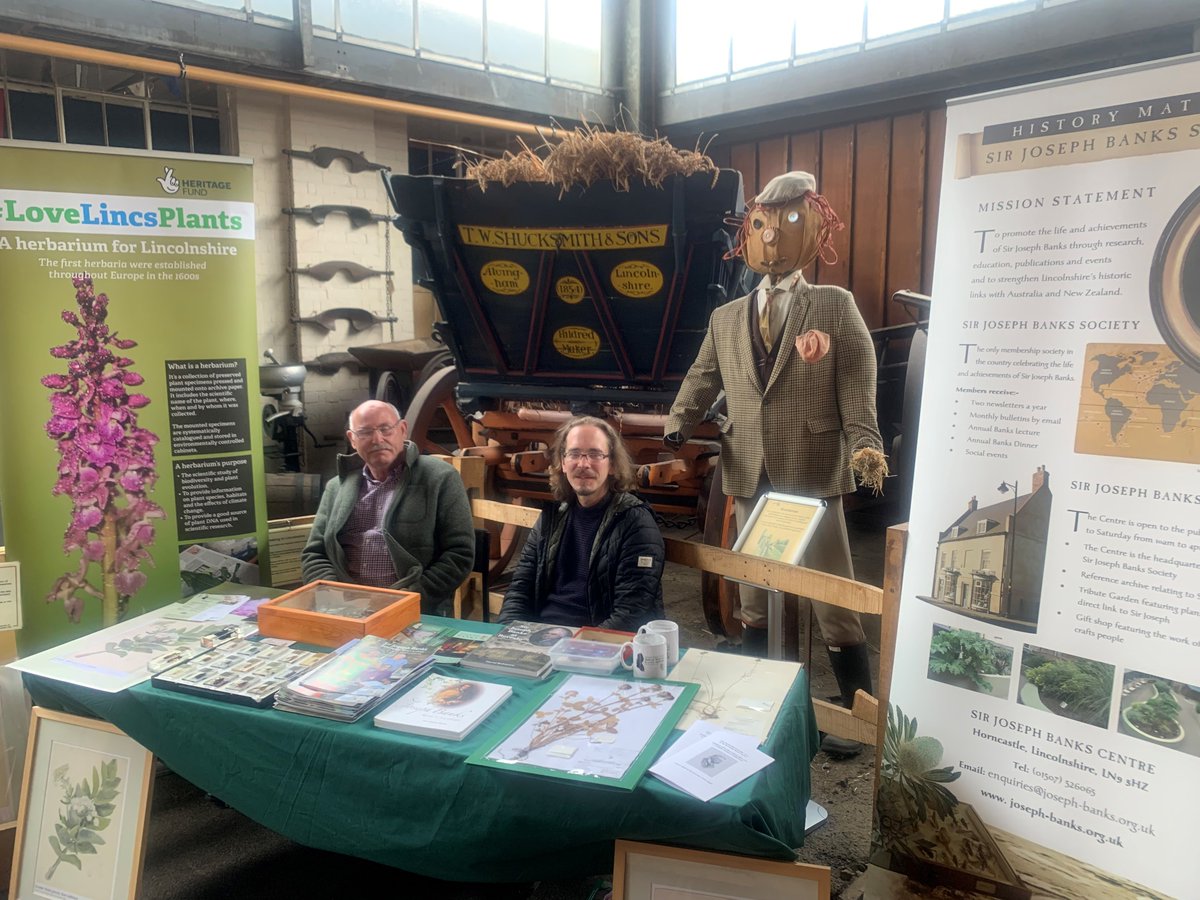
367,558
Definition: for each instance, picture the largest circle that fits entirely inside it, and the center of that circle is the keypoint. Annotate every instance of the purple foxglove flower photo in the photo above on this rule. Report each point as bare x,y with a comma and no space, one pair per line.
106,462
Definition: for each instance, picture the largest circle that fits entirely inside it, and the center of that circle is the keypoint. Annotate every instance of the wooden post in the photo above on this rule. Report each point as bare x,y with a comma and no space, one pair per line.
893,577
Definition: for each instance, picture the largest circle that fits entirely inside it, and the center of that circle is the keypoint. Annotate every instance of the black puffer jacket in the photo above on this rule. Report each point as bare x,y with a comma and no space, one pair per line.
624,571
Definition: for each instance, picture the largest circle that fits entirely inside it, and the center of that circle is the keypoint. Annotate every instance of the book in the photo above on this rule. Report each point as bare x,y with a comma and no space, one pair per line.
520,648
358,676
423,633
443,707
457,644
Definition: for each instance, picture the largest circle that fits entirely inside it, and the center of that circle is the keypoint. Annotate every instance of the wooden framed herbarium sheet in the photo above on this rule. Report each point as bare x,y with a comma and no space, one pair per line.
656,872
81,829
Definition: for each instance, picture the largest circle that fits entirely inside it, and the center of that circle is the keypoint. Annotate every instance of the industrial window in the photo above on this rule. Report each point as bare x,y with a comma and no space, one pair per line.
62,101
553,40
799,31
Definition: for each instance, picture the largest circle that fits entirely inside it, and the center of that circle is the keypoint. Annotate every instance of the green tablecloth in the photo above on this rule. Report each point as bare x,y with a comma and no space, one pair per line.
414,803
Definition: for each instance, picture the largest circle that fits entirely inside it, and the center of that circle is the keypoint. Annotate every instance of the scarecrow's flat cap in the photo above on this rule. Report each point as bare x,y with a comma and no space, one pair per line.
785,188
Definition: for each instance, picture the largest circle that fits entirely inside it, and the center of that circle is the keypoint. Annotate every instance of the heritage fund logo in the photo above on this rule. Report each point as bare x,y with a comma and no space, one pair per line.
189,187
169,183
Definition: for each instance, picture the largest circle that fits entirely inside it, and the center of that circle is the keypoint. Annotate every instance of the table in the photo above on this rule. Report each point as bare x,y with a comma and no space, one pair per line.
412,802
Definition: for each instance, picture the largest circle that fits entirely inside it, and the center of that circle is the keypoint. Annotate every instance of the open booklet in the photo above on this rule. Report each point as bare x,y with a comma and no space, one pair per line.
707,760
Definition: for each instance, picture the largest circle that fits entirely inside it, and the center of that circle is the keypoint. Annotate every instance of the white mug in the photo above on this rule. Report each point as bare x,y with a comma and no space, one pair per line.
670,631
649,656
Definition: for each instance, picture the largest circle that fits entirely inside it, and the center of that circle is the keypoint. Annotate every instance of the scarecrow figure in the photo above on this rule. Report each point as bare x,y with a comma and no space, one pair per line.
797,366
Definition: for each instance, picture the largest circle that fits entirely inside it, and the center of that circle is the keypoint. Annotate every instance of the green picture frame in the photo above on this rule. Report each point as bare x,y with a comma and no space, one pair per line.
590,729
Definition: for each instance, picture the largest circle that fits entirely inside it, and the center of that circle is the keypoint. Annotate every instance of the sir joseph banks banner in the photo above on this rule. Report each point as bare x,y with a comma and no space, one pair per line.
1044,731
130,468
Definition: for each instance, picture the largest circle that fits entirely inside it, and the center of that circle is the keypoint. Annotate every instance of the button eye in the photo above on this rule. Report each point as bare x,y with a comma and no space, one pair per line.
757,224
793,216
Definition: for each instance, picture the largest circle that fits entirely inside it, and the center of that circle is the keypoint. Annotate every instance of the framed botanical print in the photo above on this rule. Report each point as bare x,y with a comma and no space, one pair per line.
656,872
81,828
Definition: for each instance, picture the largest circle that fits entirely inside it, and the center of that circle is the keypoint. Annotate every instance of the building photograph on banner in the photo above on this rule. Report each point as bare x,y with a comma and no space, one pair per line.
1043,731
131,475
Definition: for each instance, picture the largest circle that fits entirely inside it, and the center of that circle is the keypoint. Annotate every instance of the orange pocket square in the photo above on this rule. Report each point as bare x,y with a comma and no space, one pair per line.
812,345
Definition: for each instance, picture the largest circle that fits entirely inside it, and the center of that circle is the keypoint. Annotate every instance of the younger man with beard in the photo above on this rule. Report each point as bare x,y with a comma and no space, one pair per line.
596,556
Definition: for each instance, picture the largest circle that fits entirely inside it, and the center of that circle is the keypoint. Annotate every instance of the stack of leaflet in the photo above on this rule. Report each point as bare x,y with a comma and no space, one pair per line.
520,648
357,677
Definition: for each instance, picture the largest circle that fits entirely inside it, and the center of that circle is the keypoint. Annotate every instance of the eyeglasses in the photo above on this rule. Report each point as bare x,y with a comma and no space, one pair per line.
382,431
594,456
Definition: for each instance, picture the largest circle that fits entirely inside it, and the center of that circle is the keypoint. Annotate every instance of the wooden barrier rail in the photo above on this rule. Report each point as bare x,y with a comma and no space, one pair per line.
858,724
288,537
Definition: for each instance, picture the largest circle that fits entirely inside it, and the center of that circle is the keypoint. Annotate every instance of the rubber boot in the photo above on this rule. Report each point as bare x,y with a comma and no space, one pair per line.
852,669
754,641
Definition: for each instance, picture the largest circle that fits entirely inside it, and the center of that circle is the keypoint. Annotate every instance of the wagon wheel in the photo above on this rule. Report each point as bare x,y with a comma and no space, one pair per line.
720,597
436,363
391,390
434,422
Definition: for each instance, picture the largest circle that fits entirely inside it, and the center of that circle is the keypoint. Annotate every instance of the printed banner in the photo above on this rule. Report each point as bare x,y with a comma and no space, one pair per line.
1043,734
127,370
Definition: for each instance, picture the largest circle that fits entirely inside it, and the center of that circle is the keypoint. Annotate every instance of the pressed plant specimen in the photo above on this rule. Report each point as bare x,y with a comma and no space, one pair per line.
87,809
587,715
106,460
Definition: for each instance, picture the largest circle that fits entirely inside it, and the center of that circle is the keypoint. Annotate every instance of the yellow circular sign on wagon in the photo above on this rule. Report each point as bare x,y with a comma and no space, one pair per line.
502,276
637,278
576,342
569,289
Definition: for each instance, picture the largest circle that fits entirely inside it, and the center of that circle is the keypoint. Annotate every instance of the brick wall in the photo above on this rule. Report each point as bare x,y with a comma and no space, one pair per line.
266,124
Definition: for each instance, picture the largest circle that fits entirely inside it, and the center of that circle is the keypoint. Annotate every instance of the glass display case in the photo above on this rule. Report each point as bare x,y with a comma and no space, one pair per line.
328,613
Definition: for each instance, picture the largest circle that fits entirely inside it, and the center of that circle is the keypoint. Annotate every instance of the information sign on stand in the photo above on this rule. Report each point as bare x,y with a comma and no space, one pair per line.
1043,733
132,465
780,528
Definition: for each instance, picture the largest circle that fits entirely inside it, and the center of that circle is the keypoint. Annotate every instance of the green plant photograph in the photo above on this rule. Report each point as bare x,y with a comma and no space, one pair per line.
1160,711
1069,686
966,659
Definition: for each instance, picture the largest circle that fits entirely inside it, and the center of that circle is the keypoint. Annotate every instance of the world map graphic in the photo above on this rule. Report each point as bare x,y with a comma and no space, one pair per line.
1139,401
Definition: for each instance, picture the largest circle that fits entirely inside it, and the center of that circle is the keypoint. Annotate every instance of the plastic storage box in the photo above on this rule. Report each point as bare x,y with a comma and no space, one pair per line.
591,657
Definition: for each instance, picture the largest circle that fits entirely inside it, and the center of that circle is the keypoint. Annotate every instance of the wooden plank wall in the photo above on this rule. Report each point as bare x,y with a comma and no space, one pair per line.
883,178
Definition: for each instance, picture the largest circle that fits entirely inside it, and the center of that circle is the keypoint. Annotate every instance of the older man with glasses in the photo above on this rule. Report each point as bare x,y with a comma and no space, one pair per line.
392,517
594,557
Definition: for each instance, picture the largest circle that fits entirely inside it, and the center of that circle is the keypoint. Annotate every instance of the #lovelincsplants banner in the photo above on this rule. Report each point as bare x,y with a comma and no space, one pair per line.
1043,734
130,467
